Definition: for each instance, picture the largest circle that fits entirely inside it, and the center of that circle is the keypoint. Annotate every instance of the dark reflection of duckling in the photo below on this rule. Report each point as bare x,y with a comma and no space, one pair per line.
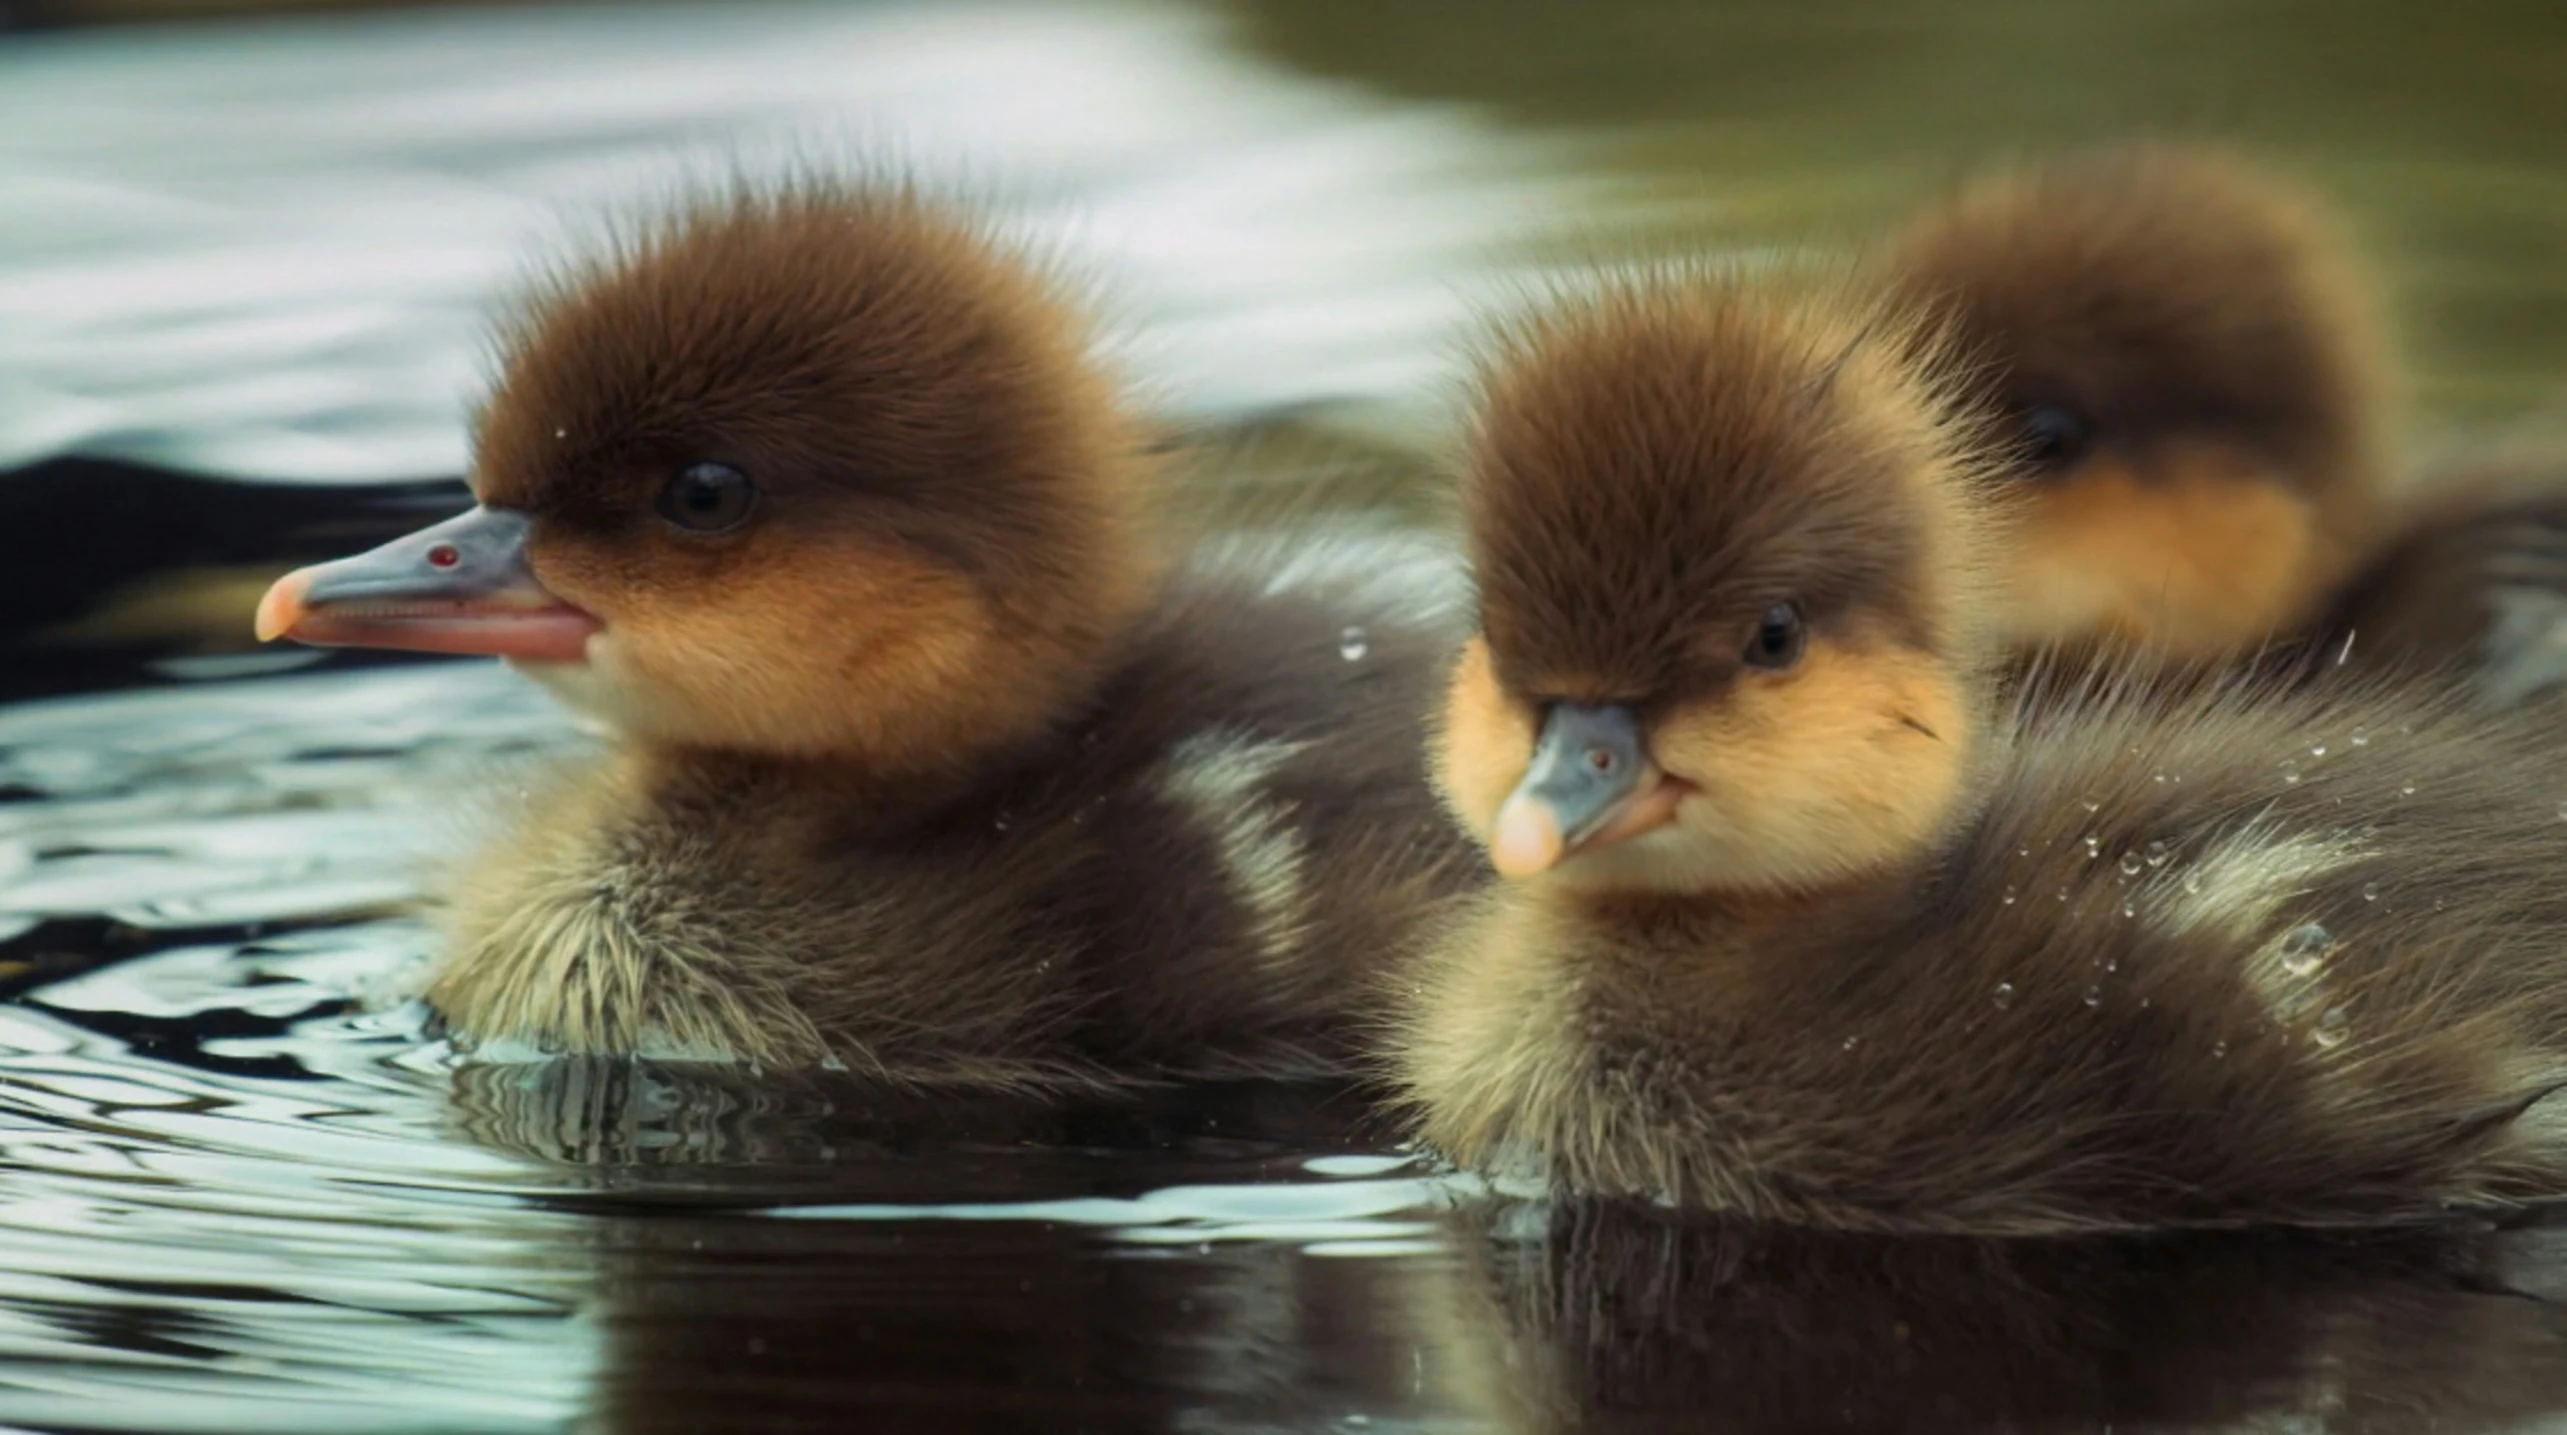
1624,1319
1808,930
935,761
2181,358
714,1122
719,1321
949,1266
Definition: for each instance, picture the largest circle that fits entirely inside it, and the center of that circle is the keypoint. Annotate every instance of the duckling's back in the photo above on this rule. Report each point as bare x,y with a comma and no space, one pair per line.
2471,589
1259,839
2272,957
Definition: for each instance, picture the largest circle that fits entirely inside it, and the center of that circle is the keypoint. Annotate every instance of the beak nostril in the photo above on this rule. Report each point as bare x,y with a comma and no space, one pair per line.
444,555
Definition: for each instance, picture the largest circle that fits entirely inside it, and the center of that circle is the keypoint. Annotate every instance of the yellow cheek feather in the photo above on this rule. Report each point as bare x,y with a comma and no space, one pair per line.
2205,558
871,655
1853,758
1483,745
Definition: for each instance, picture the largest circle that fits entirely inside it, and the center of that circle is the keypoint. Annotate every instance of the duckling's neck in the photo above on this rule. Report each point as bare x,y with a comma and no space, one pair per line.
852,797
1741,905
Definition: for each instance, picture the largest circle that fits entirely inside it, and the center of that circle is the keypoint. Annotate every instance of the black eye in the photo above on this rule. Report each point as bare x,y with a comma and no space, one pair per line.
1779,638
2054,436
708,498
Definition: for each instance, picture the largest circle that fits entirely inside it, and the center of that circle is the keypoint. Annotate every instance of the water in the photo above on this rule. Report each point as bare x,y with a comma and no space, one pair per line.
244,1187
2304,949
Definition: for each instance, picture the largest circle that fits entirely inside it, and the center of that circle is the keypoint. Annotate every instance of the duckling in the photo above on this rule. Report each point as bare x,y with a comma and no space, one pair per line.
2182,359
2183,362
937,756
1805,926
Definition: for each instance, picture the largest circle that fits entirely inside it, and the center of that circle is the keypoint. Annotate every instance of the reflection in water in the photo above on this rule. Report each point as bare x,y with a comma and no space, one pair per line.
226,1200
1619,1319
239,1193
1040,1292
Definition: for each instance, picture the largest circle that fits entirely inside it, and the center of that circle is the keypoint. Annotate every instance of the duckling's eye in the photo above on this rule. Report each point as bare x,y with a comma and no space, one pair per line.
2054,436
1780,636
708,498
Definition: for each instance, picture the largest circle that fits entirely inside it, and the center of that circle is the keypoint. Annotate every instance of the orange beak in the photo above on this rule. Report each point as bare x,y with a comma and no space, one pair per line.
1591,784
461,586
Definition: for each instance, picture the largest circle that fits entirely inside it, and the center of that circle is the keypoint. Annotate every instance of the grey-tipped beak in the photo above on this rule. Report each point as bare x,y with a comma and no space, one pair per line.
1590,784
461,586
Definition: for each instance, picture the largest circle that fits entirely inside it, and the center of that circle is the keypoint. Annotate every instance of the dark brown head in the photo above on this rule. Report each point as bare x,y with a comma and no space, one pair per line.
826,471
1724,544
2184,364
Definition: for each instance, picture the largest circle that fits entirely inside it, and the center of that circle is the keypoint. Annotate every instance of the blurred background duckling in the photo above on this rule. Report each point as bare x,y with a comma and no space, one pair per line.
939,754
1806,927
2183,360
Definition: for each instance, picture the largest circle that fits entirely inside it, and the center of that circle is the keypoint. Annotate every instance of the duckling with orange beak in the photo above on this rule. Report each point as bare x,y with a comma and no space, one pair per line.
938,756
1806,925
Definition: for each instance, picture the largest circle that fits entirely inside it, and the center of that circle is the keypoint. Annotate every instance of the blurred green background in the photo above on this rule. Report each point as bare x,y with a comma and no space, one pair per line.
2443,128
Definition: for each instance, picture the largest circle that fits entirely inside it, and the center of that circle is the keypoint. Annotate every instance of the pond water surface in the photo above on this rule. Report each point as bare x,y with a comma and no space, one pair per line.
242,270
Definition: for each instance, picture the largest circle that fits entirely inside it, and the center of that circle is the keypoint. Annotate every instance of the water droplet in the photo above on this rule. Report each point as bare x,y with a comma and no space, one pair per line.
2192,883
2129,908
2023,851
561,433
2406,789
2111,965
2005,995
2157,854
1852,1041
2290,772
2361,737
1352,644
2094,848
2063,893
2094,996
2332,1028
999,822
2161,779
2370,891
2562,812
2008,898
2130,864
2093,806
2317,750
2219,1051
2304,948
